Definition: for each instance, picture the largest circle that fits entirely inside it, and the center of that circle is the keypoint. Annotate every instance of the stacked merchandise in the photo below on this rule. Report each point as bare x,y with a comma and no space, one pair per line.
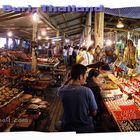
24,113
131,86
51,60
124,112
110,90
8,94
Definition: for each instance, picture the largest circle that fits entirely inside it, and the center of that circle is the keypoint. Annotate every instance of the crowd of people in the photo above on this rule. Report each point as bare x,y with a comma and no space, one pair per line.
75,55
82,103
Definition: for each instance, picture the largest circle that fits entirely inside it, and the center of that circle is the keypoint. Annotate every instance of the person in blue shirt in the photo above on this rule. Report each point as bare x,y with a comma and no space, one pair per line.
78,103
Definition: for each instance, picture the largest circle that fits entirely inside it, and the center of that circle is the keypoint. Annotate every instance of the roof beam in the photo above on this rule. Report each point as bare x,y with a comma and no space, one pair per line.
55,15
124,30
75,33
65,19
72,29
70,26
45,20
13,17
7,14
70,20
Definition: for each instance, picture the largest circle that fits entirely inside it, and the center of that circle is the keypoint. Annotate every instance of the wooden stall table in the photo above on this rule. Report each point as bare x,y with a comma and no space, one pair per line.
124,111
28,83
40,87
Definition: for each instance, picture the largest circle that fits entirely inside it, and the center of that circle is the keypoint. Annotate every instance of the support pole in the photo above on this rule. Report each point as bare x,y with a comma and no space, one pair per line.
99,28
88,29
57,44
99,36
7,42
34,57
64,37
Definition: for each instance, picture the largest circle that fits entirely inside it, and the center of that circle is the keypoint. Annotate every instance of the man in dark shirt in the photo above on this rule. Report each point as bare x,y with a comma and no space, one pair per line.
78,103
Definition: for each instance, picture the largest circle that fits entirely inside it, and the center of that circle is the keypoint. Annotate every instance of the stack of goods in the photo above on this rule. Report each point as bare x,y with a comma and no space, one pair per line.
24,113
130,125
110,90
4,81
4,57
109,85
136,99
131,86
8,94
51,60
20,56
127,112
35,107
9,112
124,112
30,76
114,105
5,71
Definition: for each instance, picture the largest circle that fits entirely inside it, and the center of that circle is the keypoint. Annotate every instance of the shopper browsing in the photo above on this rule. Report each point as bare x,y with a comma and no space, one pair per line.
78,103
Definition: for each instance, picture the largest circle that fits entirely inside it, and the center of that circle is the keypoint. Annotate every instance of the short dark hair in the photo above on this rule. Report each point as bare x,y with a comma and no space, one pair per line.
77,70
90,48
105,67
93,73
130,41
84,48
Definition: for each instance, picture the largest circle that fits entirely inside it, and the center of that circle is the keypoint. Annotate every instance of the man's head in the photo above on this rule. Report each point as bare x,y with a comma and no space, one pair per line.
78,72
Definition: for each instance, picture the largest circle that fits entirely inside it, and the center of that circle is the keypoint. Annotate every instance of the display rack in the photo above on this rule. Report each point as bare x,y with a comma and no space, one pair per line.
15,97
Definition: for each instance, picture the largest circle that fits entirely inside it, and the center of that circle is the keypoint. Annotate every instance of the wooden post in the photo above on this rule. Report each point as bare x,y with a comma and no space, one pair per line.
99,35
7,42
88,29
57,33
34,38
117,49
99,28
64,36
57,43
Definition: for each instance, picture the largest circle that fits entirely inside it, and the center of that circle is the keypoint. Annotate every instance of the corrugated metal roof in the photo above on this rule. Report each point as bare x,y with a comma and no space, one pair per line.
129,12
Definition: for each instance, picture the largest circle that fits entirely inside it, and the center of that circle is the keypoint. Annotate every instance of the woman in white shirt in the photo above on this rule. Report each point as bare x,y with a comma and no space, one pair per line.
86,57
65,55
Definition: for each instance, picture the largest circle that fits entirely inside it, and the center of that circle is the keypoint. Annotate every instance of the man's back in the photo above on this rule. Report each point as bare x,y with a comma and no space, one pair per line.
77,102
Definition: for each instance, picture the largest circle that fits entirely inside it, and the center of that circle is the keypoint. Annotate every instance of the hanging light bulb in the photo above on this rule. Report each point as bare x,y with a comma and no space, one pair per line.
35,17
39,37
43,32
48,28
120,24
47,38
9,34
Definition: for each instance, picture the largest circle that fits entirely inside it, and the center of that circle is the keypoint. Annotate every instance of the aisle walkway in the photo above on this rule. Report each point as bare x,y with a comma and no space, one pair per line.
55,107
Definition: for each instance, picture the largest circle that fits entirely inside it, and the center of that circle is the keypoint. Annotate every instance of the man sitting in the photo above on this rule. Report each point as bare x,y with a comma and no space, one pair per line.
78,103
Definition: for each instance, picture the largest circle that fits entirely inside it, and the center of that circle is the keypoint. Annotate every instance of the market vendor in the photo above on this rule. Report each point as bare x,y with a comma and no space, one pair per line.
129,54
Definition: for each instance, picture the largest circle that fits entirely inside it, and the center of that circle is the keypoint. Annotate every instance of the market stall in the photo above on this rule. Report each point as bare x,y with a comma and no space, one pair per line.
121,99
